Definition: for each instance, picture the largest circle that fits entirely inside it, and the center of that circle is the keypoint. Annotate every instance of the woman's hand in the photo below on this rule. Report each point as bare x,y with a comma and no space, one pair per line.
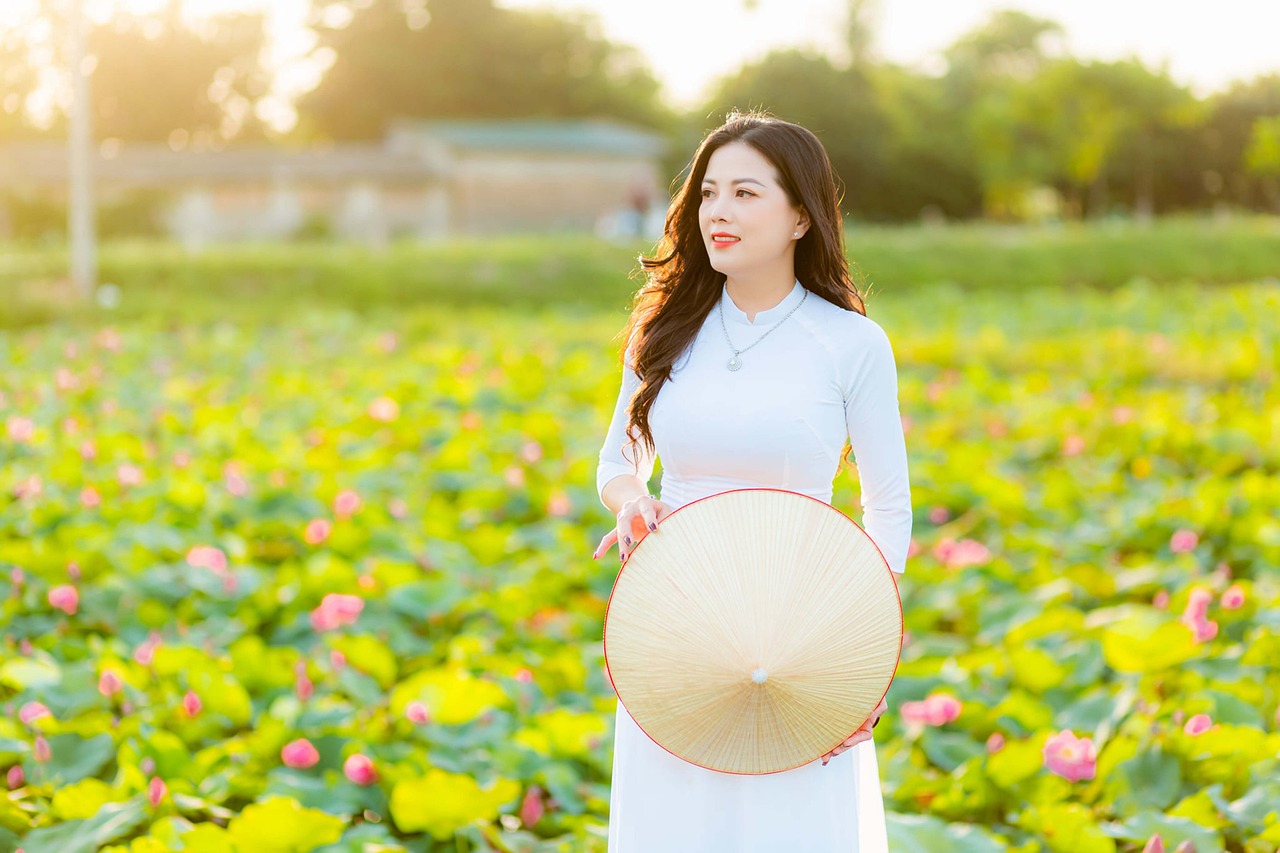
636,519
864,733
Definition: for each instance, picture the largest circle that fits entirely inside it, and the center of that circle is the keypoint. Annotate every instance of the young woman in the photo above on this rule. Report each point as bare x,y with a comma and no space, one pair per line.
749,361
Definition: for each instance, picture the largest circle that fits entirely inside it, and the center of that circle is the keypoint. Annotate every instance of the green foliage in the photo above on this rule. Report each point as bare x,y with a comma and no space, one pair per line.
1070,433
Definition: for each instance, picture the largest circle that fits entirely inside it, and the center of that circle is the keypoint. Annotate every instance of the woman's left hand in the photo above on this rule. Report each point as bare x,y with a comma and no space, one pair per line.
860,735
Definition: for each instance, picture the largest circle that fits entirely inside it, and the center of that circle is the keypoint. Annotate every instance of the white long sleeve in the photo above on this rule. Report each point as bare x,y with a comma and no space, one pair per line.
615,458
879,447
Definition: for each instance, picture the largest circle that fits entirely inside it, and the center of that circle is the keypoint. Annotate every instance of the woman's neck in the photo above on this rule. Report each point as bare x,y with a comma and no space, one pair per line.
753,295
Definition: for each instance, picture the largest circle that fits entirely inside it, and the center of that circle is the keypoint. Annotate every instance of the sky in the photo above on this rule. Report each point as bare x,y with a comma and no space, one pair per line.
689,43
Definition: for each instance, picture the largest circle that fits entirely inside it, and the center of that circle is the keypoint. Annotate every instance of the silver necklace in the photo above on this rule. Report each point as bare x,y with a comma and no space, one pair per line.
735,363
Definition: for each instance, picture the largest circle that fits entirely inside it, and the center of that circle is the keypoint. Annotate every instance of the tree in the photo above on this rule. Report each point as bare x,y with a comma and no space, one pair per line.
468,59
838,105
157,80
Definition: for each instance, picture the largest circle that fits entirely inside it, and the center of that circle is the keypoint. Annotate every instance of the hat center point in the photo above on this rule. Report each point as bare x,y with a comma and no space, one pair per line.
759,676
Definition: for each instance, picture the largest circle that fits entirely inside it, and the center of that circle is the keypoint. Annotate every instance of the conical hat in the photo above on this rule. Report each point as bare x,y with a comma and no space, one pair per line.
753,631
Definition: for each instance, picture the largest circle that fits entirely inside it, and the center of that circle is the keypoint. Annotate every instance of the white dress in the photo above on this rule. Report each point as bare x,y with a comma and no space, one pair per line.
780,421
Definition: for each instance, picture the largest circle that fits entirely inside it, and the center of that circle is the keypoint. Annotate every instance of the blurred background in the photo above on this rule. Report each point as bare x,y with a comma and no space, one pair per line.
218,120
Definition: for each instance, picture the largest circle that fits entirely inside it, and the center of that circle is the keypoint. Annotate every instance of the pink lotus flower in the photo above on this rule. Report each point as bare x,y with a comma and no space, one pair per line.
1198,725
1072,445
1122,414
191,703
41,752
207,557
236,485
1183,541
938,514
937,709
156,790
64,597
64,379
1233,598
347,503
1185,847
88,449
90,498
129,475
559,505
388,341
1204,630
336,610
29,489
531,807
1155,844
1070,757
181,459
1160,600
302,684
513,475
531,451
397,508
359,769
109,683
337,659
21,430
15,778
524,675
17,577
1197,604
299,754
417,713
384,409
964,552
147,765
32,711
318,530
995,743
146,650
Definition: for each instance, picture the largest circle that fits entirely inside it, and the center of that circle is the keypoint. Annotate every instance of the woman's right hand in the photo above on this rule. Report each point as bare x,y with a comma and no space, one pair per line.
637,518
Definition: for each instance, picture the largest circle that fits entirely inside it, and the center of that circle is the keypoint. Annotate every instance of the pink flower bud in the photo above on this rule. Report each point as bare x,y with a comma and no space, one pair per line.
191,703
15,778
1198,725
64,597
1155,844
109,683
32,711
417,712
156,789
1233,598
42,752
531,807
359,769
318,530
1183,541
299,754
1070,757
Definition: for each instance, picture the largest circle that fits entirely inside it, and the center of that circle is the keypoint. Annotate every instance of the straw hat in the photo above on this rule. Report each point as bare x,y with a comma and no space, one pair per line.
753,631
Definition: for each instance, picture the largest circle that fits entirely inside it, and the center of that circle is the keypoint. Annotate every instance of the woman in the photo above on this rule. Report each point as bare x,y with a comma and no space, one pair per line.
750,359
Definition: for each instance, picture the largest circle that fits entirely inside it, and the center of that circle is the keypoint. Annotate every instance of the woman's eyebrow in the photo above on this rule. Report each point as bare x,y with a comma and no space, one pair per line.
736,181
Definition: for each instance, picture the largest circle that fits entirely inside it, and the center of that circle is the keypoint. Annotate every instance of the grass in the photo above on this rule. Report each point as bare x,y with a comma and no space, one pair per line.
163,282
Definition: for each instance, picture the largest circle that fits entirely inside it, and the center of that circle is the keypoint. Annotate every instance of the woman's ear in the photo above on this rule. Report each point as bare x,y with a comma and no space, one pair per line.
802,223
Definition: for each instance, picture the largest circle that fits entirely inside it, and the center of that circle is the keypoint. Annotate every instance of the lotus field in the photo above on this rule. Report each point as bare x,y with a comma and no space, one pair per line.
326,584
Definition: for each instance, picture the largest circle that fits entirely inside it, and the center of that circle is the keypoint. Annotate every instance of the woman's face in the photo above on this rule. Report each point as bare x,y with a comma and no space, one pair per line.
743,203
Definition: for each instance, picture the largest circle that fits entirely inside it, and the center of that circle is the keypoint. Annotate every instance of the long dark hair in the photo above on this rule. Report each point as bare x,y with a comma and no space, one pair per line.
682,287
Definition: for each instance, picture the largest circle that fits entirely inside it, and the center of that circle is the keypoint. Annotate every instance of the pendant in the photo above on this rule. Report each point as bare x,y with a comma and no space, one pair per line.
735,363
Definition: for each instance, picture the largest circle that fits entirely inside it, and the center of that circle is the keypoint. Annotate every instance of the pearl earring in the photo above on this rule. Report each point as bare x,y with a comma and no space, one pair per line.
795,233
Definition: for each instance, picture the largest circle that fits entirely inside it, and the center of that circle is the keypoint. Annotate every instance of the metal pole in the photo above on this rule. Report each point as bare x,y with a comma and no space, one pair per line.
80,211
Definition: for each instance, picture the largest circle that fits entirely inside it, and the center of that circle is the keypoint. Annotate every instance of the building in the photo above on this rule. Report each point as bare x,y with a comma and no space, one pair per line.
426,180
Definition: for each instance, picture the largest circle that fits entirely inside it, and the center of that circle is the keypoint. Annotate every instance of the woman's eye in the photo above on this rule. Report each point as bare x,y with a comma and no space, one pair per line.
746,191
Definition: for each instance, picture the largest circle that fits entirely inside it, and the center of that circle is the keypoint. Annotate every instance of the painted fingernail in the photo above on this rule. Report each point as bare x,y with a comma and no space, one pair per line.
653,526
628,538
